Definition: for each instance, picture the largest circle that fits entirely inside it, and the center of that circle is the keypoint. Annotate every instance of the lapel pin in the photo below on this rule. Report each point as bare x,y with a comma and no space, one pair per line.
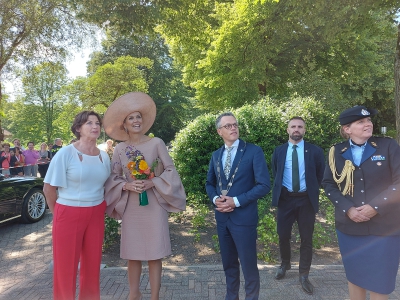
344,149
374,144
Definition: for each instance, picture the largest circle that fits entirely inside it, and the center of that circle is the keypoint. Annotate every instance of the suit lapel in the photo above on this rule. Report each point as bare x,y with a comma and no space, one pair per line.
219,160
368,151
346,152
306,156
282,159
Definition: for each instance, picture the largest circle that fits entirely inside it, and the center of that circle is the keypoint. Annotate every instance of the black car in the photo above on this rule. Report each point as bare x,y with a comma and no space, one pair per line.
21,197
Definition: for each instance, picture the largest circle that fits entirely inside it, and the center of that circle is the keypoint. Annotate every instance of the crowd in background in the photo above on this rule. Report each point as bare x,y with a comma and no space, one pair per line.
21,161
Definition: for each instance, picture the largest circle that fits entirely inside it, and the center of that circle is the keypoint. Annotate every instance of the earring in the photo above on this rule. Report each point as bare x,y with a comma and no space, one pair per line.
126,130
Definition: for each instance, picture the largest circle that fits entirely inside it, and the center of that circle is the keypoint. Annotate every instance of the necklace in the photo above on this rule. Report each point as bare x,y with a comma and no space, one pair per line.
229,185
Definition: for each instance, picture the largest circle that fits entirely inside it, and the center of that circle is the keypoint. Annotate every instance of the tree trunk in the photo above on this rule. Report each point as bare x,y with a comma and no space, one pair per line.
1,129
397,84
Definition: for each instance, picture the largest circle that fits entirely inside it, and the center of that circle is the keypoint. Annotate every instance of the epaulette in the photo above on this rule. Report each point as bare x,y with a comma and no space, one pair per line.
340,146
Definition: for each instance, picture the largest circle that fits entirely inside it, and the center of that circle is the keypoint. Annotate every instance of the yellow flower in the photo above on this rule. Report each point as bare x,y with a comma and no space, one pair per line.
134,172
143,165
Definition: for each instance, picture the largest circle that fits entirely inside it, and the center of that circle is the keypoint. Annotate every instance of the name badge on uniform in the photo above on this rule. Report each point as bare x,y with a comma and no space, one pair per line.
378,157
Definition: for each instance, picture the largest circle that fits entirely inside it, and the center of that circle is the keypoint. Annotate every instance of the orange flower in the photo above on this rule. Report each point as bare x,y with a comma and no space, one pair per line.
131,165
147,171
143,165
151,175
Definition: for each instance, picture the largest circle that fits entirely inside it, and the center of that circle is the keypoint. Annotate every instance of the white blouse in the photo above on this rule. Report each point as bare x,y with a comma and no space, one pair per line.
79,182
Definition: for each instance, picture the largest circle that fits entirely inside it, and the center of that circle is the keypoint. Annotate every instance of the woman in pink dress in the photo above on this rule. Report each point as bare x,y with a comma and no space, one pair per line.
144,232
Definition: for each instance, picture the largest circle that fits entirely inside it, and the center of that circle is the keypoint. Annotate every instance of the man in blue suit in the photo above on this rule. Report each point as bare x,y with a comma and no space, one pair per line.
237,177
298,168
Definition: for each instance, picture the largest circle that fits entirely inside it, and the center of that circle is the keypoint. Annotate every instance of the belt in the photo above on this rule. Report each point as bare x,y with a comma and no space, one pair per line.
294,194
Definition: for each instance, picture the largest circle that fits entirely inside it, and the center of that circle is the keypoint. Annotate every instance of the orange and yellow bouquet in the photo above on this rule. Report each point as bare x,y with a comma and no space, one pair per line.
139,169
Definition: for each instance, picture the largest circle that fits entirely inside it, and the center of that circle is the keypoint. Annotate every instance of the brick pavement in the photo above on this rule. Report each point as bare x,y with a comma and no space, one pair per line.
25,255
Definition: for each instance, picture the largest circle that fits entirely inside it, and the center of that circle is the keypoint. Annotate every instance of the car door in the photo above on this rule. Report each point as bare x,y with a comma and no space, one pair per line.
8,199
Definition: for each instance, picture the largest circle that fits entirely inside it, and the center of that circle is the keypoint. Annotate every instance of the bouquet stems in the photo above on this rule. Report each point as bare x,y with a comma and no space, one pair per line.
143,200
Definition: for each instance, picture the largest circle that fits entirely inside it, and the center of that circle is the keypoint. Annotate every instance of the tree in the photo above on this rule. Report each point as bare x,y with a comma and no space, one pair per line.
165,79
243,49
41,85
397,83
33,31
112,80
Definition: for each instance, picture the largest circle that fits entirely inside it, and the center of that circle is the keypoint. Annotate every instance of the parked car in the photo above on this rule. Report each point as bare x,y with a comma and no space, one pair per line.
21,197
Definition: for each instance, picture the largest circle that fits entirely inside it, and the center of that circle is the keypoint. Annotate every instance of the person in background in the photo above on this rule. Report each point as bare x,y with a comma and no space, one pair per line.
57,146
298,168
109,148
362,181
17,143
44,160
13,162
5,159
145,230
78,217
237,178
31,157
19,164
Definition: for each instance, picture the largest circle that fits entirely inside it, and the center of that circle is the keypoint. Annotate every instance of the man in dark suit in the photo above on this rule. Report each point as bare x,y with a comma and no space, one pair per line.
298,168
237,177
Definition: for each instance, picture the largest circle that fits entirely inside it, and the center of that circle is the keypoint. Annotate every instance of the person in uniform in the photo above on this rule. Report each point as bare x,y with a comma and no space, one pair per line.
363,182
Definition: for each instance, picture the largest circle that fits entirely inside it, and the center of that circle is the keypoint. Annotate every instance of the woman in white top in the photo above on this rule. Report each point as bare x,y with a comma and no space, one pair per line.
74,189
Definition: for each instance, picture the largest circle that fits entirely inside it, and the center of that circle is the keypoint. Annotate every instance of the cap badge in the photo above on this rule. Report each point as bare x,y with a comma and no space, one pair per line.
365,112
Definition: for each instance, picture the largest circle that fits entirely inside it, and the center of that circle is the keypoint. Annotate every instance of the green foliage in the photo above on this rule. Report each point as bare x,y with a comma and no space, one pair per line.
111,231
326,209
112,80
198,220
336,51
216,243
266,229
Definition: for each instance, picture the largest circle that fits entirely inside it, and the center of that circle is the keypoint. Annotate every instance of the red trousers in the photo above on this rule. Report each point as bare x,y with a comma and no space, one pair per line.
78,234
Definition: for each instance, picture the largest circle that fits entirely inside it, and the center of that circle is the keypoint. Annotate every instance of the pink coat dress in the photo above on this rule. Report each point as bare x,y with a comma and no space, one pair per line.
145,231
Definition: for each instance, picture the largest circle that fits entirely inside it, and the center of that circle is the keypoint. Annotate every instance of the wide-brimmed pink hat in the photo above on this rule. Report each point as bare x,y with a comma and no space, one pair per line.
116,113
